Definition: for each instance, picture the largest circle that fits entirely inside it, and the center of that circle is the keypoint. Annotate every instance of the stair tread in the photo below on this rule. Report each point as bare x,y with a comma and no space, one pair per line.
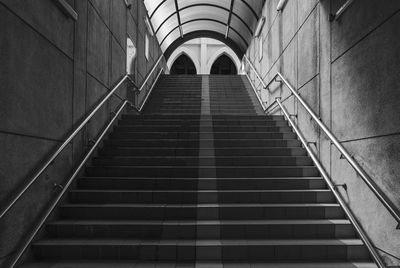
209,148
212,179
210,166
202,242
126,264
209,132
205,191
206,205
199,157
215,140
204,222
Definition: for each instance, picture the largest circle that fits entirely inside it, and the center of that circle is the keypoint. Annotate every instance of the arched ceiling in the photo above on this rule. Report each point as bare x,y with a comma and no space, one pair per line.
230,21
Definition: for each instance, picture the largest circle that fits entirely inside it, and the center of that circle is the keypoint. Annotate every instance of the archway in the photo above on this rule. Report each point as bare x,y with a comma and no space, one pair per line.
223,65
183,51
183,65
224,51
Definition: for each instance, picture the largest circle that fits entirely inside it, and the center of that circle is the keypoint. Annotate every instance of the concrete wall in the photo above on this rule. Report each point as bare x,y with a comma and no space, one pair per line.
54,70
348,72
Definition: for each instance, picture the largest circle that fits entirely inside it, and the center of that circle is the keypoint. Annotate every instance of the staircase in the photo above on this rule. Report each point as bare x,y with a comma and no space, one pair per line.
201,179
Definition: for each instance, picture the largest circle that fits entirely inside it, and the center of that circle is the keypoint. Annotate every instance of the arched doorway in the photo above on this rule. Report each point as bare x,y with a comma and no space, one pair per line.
223,65
183,65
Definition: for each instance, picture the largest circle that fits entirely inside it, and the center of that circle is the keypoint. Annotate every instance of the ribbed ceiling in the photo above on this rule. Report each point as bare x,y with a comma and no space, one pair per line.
230,21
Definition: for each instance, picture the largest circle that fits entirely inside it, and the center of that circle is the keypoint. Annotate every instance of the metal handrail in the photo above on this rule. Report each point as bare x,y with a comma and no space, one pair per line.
150,73
341,10
360,171
43,219
151,89
393,210
139,89
326,177
49,161
255,71
331,186
64,188
258,96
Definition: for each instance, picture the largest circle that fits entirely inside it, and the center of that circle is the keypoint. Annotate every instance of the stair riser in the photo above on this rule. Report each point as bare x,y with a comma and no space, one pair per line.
203,198
132,151
194,135
194,110
183,253
219,117
164,106
203,231
196,99
206,143
262,129
205,213
177,92
197,122
193,161
276,135
193,184
202,172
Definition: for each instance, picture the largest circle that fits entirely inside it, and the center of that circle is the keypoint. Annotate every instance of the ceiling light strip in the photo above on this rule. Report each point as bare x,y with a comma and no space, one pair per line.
229,19
179,18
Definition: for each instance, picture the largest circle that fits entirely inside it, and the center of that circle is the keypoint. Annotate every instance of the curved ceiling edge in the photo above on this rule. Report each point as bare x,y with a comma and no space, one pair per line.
210,5
216,21
155,10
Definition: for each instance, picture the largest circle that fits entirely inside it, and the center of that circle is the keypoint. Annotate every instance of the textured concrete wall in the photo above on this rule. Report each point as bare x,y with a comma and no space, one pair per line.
54,70
348,72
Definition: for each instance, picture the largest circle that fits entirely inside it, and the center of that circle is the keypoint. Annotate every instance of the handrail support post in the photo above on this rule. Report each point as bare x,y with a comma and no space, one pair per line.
58,186
312,142
91,142
343,185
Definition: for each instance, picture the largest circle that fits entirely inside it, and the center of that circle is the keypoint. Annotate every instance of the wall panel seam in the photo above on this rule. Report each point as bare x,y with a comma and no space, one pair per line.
38,32
29,136
105,24
290,41
366,35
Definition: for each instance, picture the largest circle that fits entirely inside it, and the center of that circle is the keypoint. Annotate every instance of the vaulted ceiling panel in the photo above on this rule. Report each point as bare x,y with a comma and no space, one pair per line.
230,21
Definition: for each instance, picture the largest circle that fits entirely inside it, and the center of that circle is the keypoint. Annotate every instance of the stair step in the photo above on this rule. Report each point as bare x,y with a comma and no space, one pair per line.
192,250
202,171
184,183
218,151
201,196
138,122
183,128
218,117
196,135
205,211
205,142
158,264
201,229
203,161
